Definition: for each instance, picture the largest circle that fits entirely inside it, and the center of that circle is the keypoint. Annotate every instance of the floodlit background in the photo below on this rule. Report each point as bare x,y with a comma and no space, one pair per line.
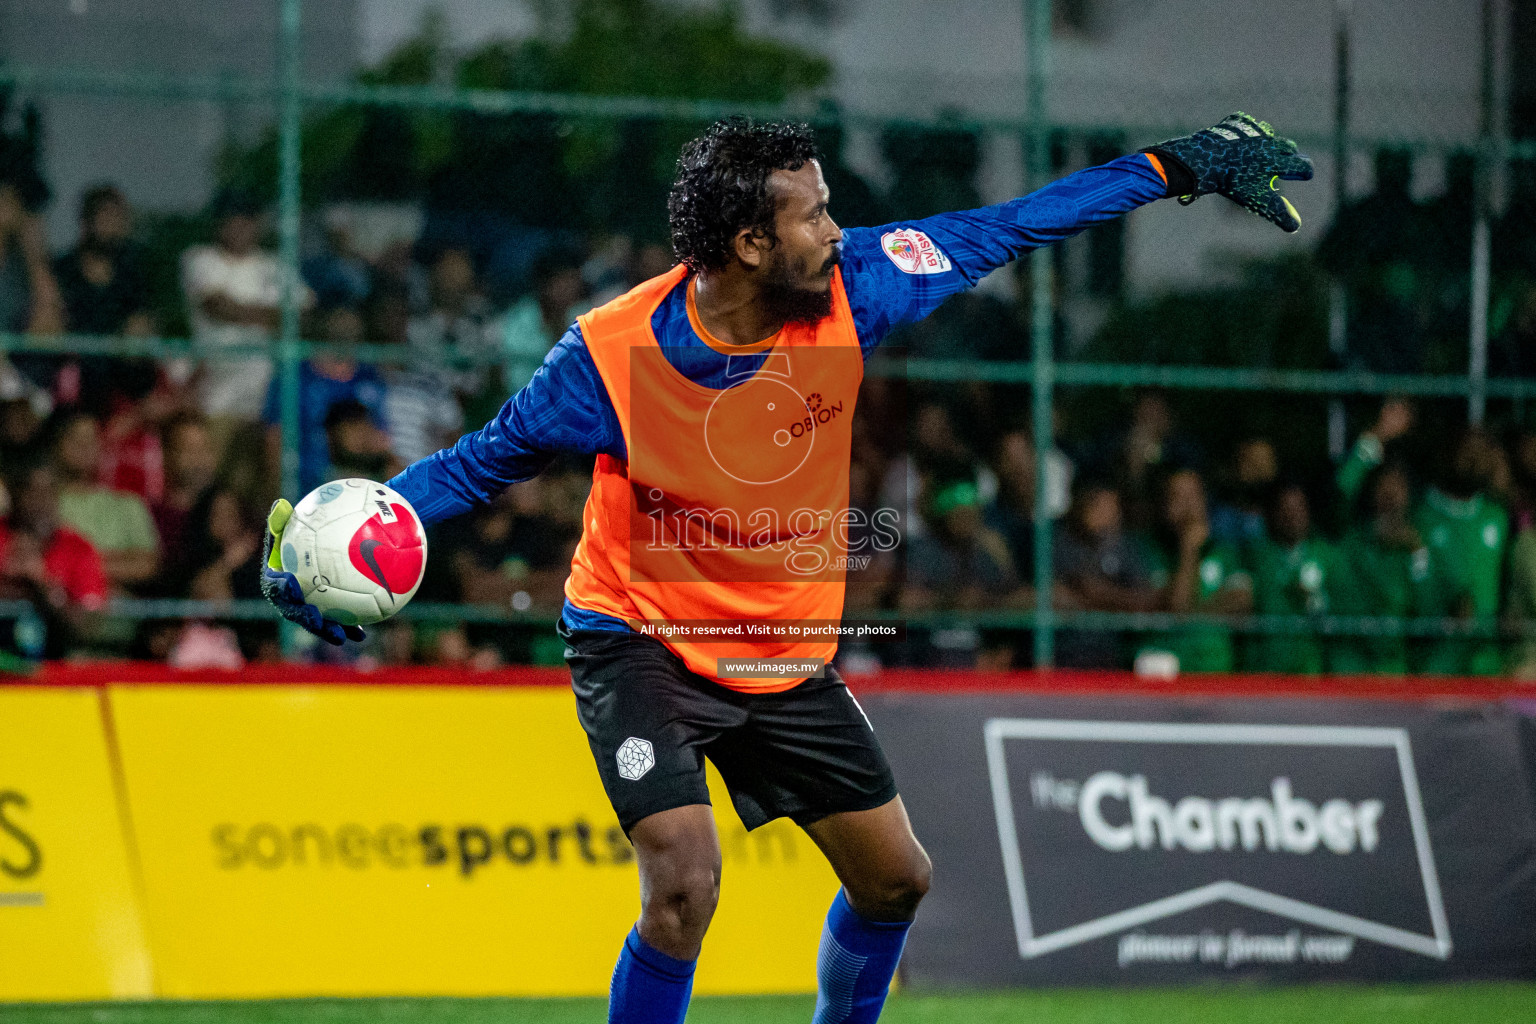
249,246
453,182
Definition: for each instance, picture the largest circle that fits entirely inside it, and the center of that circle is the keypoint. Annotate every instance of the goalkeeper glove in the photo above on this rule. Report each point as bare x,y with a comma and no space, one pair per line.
1241,158
282,588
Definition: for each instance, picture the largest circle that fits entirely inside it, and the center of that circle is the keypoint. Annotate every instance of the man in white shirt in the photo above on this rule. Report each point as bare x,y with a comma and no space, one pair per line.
458,324
234,294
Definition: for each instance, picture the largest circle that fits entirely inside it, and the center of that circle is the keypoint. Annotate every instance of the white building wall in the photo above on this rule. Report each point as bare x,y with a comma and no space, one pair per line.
161,152
1165,66
1160,65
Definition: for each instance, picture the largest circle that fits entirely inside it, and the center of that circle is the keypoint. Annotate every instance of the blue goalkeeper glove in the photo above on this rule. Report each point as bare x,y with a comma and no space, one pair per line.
282,588
1241,158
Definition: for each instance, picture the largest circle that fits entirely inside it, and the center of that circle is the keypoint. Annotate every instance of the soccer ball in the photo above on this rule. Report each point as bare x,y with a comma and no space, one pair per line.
357,549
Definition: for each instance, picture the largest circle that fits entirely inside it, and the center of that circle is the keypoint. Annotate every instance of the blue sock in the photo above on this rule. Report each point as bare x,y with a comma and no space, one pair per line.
649,987
857,961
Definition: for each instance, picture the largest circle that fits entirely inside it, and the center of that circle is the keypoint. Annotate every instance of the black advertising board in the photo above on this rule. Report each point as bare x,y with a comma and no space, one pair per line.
1103,840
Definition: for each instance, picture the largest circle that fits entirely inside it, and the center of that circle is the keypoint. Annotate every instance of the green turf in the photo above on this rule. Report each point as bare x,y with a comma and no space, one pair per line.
1441,1004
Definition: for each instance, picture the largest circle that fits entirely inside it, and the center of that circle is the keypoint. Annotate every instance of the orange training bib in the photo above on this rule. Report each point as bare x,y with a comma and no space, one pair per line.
732,510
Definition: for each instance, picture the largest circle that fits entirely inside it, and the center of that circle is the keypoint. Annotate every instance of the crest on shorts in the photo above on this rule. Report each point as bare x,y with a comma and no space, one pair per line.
636,757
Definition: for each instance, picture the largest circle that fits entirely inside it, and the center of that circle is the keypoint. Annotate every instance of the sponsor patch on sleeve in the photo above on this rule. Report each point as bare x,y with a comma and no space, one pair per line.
913,252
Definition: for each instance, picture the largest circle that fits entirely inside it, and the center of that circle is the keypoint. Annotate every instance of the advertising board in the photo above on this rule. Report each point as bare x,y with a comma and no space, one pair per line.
1100,841
69,919
350,840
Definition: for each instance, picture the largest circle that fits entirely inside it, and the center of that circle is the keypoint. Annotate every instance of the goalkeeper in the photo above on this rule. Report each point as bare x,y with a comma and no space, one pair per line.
717,400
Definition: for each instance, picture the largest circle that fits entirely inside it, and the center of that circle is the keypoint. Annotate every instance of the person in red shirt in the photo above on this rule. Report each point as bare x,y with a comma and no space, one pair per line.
45,563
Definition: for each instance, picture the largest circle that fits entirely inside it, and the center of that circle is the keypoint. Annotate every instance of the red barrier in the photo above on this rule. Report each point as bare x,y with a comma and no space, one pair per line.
893,680
1202,684
103,673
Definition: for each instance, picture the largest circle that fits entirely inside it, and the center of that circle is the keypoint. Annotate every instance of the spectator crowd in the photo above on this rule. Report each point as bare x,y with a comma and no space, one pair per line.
1282,572
139,478
142,478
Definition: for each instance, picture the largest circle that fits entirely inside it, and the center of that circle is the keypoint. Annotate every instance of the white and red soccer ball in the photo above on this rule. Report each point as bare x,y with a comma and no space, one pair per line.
357,549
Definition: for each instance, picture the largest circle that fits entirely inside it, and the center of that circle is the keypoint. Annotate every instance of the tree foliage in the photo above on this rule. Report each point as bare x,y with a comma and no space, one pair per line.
540,169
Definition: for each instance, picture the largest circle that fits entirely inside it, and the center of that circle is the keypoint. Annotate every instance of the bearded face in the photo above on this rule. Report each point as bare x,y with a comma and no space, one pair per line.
796,292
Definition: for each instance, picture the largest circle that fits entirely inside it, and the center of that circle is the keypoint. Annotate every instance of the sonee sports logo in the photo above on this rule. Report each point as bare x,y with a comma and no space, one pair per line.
20,856
635,757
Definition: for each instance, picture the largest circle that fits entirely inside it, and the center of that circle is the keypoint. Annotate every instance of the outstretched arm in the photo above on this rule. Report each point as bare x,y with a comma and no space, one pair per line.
902,272
564,410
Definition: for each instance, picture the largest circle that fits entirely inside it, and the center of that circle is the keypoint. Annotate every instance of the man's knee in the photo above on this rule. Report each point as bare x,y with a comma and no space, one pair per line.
689,892
679,882
677,904
893,893
909,886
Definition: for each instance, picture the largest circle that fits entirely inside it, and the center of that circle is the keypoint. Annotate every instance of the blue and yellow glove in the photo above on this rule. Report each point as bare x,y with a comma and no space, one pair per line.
1241,158
282,588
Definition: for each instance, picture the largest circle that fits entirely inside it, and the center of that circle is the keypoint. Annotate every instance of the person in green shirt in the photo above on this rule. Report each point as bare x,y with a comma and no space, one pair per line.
1522,603
1370,450
1196,574
532,325
1466,532
116,523
1382,564
1291,572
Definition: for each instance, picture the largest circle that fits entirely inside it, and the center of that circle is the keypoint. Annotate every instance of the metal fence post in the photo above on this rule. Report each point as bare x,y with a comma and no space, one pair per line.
1041,327
1477,335
288,220
1338,299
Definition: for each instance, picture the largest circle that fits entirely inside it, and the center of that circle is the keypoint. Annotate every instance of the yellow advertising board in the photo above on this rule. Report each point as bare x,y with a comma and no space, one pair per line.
69,921
350,840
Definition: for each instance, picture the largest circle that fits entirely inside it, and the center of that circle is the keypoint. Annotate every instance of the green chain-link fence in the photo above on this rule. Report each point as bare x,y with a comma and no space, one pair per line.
1057,292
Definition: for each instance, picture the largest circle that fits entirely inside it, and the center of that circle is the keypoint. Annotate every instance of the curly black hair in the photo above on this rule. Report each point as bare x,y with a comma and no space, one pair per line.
722,186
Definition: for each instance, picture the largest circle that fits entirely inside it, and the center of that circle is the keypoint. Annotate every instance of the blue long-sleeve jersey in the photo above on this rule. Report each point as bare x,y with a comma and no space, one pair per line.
565,408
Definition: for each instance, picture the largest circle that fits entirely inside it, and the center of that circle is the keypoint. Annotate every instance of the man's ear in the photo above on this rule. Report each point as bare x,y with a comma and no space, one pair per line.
752,247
